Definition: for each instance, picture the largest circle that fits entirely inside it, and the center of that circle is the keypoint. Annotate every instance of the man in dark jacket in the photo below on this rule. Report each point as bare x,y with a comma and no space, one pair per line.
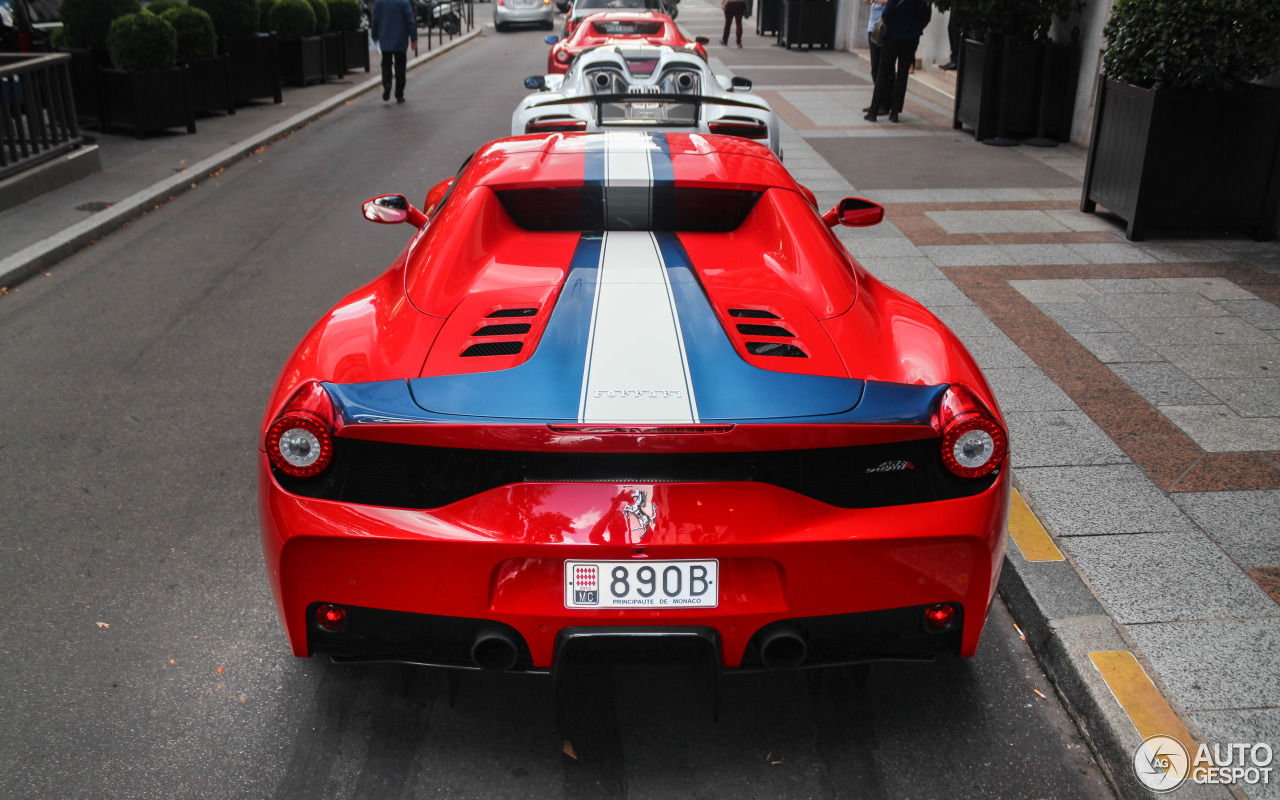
904,22
393,28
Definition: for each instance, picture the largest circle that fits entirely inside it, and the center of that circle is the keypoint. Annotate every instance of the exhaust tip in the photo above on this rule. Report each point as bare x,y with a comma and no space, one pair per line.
783,648
602,80
494,649
684,81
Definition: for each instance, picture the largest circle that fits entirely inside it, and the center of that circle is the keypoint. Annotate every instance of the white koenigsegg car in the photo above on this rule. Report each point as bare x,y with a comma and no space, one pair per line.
634,87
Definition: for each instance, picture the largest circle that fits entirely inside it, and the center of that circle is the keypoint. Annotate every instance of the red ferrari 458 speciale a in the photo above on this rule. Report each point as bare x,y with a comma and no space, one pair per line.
630,387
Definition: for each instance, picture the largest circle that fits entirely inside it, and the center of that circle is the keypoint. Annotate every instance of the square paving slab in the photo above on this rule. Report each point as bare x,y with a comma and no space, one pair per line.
929,162
761,57
830,76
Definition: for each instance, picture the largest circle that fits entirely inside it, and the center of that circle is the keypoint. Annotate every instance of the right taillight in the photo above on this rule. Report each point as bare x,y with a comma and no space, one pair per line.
973,442
563,56
739,126
555,125
300,440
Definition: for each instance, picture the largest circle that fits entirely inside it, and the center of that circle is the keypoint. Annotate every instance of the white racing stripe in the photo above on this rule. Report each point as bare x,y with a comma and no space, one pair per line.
636,369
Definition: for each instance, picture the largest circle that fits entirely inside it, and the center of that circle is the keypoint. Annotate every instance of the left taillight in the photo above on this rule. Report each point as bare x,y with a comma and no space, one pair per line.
973,442
300,440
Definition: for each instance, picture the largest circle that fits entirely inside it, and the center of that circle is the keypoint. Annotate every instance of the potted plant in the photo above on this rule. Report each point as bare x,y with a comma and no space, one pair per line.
301,51
198,50
345,18
332,40
84,36
253,60
144,90
1013,81
1182,137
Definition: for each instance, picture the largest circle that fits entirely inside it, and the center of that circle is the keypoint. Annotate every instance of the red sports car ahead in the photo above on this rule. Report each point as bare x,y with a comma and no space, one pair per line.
629,387
619,27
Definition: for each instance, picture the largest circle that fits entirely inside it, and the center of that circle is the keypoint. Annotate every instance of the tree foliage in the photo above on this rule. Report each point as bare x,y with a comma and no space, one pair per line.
1192,44
1017,20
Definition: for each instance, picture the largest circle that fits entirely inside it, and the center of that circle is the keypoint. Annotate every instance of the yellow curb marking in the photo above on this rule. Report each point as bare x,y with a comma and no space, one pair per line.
1141,701
1031,537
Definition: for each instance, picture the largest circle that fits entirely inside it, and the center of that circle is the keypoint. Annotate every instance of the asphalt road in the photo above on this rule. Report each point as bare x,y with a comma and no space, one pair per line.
140,653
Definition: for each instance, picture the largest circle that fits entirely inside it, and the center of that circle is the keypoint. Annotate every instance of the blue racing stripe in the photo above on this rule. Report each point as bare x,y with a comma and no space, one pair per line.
664,175
547,386
593,169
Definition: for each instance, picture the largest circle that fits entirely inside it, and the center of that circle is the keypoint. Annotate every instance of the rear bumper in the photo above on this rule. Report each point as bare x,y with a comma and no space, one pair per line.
499,557
544,12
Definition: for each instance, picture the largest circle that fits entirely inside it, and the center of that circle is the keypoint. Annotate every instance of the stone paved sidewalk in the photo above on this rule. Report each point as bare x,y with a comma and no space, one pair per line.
1140,381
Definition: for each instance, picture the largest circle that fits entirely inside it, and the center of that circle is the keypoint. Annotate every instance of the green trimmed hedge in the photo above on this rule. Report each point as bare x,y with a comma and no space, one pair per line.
1192,44
344,15
142,41
321,10
232,18
292,19
87,22
196,36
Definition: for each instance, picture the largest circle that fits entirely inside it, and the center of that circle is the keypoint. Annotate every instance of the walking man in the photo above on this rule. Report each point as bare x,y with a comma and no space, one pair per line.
393,28
734,11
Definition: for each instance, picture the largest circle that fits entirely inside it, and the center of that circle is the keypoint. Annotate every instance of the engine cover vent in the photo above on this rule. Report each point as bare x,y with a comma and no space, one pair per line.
510,329
765,330
493,349
775,349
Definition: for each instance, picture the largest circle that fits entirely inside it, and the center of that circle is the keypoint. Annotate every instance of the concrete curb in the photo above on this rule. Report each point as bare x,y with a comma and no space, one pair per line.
27,262
1063,623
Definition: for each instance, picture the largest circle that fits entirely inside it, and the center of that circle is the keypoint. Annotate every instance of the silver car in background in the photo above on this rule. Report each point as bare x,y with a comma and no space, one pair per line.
513,12
645,87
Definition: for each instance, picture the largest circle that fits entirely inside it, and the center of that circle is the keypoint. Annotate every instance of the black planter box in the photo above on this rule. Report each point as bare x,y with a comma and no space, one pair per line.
255,67
302,60
211,85
1170,159
150,100
768,16
334,55
355,50
807,23
84,85
1012,91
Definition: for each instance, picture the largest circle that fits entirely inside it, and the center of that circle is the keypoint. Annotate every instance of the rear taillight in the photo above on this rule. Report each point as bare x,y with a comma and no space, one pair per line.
330,617
940,615
973,442
563,56
555,125
739,126
300,441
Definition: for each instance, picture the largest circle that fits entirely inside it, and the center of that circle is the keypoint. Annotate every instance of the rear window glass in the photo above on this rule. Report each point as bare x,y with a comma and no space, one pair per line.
658,208
630,28
580,5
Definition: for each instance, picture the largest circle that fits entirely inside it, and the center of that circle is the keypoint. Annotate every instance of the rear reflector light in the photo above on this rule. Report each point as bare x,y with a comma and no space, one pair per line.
300,441
560,125
746,128
940,616
973,442
563,56
330,617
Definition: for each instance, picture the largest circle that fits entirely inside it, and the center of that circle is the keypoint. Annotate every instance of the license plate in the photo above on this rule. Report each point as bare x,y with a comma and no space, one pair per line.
641,584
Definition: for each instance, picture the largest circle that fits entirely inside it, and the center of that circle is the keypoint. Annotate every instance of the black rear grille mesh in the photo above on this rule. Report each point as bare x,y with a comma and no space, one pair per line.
764,330
513,312
510,329
408,476
753,313
492,349
775,349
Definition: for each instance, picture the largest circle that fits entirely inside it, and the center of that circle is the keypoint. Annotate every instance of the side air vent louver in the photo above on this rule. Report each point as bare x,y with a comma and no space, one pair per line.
510,329
765,330
752,313
513,312
775,349
493,349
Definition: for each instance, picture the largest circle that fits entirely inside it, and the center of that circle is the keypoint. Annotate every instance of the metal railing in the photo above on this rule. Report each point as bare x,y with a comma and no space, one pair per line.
37,114
463,10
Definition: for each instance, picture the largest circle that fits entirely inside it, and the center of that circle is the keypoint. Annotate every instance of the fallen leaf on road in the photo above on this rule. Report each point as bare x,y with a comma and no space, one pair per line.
102,624
568,750
220,669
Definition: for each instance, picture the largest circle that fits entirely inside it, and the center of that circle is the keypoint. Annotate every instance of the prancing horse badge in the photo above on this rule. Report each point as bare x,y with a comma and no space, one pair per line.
643,519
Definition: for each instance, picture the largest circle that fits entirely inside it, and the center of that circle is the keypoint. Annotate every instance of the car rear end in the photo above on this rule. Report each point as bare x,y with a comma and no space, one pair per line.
514,12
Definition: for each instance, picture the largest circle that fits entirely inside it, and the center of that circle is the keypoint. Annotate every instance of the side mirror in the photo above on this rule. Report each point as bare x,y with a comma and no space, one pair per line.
392,209
741,84
551,39
536,82
855,213
702,39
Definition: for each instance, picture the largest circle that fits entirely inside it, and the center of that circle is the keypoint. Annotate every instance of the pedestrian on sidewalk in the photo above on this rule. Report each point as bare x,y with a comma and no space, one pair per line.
734,11
904,21
393,29
877,9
